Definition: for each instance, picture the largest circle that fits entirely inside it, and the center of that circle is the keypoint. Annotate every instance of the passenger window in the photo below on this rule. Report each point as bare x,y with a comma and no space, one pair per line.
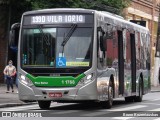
112,50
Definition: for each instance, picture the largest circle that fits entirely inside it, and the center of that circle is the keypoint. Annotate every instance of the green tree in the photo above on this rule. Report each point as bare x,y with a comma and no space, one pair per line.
3,17
14,8
115,6
11,12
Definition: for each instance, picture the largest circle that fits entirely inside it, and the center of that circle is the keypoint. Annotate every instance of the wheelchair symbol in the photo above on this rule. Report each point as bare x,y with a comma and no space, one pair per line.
60,62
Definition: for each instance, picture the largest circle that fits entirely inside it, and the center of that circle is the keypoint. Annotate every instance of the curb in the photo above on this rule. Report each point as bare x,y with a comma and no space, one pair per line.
15,104
152,91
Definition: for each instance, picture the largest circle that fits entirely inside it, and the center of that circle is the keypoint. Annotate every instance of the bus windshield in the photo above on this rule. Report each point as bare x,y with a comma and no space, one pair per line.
42,47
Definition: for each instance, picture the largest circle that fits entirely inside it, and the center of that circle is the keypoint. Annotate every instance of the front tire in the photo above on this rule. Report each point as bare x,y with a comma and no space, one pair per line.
44,104
108,104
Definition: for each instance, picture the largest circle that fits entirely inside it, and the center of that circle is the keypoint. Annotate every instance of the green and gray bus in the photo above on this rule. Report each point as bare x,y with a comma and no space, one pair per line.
80,55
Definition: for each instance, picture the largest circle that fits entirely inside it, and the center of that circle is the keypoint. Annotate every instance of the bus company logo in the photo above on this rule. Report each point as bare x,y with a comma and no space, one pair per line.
6,114
41,83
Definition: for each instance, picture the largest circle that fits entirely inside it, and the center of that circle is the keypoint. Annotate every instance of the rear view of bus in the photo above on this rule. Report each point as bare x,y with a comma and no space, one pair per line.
55,56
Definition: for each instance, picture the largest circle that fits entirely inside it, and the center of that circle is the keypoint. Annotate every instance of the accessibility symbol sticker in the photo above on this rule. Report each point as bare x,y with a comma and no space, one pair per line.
61,62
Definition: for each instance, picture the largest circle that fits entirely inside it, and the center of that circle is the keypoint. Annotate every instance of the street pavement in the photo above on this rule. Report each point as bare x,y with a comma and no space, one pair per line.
149,109
12,99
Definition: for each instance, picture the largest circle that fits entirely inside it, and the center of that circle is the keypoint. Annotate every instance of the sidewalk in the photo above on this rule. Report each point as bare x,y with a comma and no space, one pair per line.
12,99
155,89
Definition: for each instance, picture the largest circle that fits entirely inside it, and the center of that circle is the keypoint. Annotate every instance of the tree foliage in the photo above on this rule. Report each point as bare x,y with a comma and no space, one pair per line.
16,7
11,10
115,6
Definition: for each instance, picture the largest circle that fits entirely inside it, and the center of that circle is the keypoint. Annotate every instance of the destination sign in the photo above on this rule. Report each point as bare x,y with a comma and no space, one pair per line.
53,19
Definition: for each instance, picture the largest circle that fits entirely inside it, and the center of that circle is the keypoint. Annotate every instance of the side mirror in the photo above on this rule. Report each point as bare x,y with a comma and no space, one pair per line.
103,47
103,43
101,38
14,35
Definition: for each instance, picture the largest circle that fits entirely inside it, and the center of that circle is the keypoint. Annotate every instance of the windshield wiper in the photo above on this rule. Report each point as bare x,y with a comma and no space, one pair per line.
44,36
69,34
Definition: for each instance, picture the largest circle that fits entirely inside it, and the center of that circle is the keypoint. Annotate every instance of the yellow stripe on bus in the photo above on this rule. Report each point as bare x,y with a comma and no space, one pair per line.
77,63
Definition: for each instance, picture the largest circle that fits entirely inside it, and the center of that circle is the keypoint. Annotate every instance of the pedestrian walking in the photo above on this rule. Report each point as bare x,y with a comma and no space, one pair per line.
9,73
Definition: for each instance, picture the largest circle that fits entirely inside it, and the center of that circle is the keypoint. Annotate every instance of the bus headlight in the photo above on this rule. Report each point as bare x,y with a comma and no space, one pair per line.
23,77
86,79
89,76
25,80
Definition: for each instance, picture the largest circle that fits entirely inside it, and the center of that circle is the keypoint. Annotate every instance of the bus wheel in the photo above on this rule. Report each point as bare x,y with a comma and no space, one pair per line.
44,104
140,96
108,104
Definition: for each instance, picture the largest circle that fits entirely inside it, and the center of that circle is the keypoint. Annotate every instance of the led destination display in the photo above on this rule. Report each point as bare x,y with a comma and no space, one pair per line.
57,19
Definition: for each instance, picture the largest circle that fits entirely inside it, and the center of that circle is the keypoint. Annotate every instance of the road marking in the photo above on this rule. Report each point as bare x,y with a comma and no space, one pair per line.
150,103
127,118
103,112
154,100
25,107
94,114
157,119
157,109
19,108
128,108
122,118
66,112
33,107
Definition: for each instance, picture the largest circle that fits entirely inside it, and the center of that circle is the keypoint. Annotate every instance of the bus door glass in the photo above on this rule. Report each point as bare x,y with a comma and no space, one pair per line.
127,63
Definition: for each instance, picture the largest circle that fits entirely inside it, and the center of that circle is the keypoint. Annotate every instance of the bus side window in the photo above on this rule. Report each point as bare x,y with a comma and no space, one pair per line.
112,48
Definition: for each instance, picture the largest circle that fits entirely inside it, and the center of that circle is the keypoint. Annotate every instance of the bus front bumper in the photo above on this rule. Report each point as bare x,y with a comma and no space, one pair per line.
86,92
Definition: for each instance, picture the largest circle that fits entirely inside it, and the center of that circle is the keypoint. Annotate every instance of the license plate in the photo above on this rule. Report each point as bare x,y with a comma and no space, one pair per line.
55,95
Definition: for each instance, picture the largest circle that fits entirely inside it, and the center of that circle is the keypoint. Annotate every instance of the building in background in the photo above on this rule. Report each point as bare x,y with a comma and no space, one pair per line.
148,11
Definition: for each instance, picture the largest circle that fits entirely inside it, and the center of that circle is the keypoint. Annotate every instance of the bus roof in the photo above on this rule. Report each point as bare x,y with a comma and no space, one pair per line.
108,17
76,10
116,20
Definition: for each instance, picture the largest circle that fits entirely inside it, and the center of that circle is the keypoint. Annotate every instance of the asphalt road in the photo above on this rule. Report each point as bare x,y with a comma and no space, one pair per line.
69,111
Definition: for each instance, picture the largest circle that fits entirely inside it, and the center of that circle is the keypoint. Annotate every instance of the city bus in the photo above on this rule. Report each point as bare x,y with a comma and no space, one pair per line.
80,55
